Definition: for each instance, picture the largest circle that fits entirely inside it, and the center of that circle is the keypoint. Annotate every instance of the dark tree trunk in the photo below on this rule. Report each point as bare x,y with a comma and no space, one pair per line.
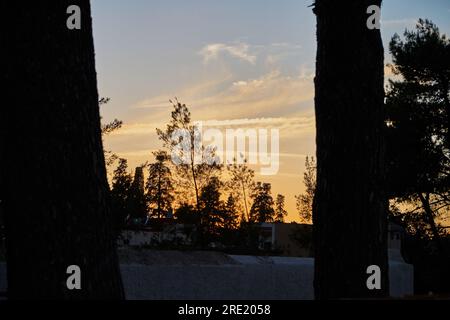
425,200
350,206
53,172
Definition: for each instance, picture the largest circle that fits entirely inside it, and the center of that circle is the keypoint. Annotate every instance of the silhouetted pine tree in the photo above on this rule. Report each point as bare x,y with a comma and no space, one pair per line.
280,211
159,189
231,214
120,192
262,209
418,113
137,202
212,210
305,200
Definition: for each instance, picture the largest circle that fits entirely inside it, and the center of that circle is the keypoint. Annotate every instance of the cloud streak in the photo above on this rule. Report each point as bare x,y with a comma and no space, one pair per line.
249,98
410,22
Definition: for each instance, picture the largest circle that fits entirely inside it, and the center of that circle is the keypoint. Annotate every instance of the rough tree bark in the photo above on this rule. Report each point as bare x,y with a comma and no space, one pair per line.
53,170
425,200
350,207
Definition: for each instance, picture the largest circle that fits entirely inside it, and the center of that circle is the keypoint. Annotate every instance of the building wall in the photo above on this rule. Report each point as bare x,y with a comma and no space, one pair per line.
280,237
283,239
145,237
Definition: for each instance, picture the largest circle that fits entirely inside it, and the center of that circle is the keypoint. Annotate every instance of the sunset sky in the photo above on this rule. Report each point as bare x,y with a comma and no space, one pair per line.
251,61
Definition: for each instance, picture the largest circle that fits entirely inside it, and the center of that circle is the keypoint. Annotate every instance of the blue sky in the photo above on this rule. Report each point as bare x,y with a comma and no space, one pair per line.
227,60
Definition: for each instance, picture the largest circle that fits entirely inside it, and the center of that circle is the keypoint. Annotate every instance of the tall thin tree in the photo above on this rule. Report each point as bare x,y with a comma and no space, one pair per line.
304,201
241,182
350,206
159,188
195,164
56,203
280,211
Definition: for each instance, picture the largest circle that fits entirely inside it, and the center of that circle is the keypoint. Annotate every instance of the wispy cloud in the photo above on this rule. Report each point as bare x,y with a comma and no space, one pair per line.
240,50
